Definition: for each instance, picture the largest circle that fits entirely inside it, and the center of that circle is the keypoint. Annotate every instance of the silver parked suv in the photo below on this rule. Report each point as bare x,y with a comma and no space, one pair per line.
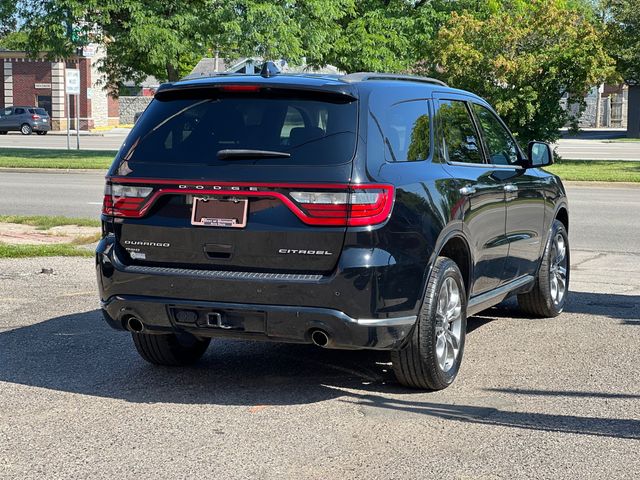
24,120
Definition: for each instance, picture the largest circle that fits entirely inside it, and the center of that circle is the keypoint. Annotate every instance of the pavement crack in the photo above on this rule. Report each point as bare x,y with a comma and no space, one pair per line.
598,255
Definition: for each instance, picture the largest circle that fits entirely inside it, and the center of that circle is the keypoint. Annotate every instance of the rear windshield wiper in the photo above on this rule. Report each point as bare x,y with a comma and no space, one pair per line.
240,153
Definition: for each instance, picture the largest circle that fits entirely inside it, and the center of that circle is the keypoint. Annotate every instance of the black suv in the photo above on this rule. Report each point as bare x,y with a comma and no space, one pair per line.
364,211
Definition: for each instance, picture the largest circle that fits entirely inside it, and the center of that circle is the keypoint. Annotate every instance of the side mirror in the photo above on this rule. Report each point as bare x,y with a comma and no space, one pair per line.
540,154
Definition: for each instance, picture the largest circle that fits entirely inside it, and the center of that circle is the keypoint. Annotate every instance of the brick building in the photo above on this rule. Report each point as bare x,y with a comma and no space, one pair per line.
40,82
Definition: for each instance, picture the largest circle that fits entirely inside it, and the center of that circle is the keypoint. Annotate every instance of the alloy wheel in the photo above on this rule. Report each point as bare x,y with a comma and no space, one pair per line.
558,269
448,324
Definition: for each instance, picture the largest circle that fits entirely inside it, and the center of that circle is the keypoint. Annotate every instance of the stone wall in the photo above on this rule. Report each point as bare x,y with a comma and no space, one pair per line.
99,96
588,119
606,107
129,106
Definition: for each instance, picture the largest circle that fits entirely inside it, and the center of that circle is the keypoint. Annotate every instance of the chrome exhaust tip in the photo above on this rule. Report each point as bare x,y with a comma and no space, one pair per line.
134,324
320,338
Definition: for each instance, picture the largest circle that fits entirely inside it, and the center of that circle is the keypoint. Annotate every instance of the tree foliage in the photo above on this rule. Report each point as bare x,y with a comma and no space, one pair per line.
383,35
523,58
294,30
153,37
624,37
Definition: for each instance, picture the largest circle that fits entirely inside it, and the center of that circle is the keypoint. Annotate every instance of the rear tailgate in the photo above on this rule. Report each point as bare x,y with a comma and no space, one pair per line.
286,214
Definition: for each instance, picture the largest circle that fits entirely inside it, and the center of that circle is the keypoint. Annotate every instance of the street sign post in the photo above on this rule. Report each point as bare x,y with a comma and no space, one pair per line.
72,86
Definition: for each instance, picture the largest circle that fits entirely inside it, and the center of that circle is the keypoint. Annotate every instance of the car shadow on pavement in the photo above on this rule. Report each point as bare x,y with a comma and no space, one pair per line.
79,354
565,393
617,307
620,307
487,415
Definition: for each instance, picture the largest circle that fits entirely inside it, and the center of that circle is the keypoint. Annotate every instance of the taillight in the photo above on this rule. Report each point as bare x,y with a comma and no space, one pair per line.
35,117
360,205
124,200
338,205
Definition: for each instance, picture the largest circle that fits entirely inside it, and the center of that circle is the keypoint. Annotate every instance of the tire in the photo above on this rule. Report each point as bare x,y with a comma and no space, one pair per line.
42,132
549,294
170,349
26,129
3,132
417,364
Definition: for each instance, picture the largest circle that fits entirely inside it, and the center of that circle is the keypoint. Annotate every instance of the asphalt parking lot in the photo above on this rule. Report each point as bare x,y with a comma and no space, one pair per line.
536,398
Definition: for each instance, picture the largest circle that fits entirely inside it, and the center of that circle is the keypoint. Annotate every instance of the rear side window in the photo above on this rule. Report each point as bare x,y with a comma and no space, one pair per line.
407,130
19,111
460,142
192,130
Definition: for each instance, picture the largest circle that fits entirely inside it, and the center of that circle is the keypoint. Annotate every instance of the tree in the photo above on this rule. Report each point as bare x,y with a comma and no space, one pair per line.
274,29
152,37
166,38
383,35
523,57
624,41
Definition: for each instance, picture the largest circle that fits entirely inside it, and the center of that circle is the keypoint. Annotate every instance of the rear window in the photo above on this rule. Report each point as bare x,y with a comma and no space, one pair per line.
314,131
41,111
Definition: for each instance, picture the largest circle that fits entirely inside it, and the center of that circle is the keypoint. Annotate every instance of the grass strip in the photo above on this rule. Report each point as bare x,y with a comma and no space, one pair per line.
43,222
55,250
55,158
597,170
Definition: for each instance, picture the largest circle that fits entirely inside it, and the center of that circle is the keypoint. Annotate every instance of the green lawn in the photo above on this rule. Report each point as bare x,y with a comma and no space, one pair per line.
52,158
597,170
56,250
43,222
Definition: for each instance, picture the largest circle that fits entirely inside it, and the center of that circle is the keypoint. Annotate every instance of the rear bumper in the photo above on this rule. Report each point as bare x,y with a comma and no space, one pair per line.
277,323
41,127
270,307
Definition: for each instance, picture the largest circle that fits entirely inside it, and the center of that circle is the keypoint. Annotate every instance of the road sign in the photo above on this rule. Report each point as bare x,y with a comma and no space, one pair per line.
73,81
88,51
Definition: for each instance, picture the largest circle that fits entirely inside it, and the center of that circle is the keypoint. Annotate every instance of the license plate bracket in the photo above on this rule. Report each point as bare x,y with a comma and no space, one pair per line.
219,212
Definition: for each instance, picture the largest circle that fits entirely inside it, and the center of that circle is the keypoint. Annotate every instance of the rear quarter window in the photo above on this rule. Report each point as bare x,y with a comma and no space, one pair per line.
407,130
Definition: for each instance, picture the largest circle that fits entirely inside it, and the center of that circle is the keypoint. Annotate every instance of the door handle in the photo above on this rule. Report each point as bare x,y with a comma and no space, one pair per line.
468,190
510,188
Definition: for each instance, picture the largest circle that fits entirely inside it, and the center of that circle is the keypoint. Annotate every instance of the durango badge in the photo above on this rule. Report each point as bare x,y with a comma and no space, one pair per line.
140,243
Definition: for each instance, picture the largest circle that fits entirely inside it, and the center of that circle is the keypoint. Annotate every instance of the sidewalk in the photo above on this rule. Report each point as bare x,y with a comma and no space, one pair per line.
94,133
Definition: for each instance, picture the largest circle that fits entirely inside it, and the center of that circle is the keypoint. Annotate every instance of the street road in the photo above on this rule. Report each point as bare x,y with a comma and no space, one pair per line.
583,149
107,141
592,148
610,215
535,398
72,194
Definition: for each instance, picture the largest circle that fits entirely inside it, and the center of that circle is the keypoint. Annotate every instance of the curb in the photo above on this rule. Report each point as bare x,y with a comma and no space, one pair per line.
583,183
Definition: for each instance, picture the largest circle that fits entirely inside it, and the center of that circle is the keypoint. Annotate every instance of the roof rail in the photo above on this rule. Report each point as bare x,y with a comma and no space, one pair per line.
362,76
195,76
